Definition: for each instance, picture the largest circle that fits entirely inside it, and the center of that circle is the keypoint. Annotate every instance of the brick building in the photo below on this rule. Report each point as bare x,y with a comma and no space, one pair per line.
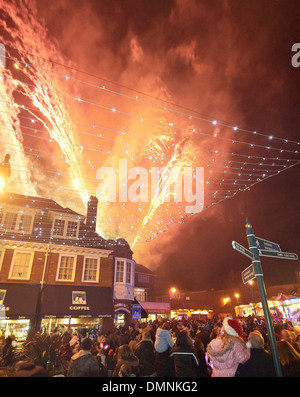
55,270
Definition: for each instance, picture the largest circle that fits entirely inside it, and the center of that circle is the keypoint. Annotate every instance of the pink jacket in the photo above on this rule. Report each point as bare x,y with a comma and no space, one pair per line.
226,358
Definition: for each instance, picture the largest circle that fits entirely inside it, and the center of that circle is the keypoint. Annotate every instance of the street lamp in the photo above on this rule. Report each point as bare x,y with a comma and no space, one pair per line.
237,298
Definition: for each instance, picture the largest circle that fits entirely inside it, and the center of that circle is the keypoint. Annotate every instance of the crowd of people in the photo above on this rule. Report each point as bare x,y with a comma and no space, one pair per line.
173,348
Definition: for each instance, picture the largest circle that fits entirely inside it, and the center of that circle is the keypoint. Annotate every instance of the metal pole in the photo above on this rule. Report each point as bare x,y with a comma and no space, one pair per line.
262,290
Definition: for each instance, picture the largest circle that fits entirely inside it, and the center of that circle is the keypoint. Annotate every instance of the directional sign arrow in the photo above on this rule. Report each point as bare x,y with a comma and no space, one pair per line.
248,274
242,249
267,245
275,254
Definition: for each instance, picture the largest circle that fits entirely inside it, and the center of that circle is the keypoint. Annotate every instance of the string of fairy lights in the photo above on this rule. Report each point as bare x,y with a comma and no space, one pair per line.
239,172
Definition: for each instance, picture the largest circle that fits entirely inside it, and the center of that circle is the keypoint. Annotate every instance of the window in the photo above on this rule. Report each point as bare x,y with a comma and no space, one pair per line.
128,273
124,271
65,228
58,227
91,269
21,265
72,229
143,278
66,268
25,223
10,220
140,294
120,272
16,221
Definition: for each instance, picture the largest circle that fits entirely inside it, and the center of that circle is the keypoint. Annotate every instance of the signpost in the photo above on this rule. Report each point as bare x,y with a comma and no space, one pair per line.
261,247
262,290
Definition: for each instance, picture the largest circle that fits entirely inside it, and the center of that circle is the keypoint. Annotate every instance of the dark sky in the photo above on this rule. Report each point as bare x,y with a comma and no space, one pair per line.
229,60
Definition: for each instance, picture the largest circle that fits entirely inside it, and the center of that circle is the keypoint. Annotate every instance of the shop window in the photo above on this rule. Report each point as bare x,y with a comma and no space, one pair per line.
16,221
21,265
91,270
64,228
66,268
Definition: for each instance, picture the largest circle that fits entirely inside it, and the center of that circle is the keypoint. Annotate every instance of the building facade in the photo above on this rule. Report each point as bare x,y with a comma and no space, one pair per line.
56,272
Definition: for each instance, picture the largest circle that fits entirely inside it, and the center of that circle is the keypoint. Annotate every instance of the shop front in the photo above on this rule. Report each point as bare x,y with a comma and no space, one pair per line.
157,310
84,309
18,304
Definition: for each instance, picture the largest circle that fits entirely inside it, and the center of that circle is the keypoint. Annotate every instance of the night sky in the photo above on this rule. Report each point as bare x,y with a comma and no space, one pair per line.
224,60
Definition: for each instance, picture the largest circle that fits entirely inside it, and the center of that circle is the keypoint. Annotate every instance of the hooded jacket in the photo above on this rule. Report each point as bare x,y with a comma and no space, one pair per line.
226,357
83,364
163,340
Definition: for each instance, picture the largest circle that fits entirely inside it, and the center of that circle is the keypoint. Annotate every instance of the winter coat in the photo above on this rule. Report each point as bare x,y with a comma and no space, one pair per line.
260,364
145,352
122,339
83,364
163,340
186,361
226,357
291,370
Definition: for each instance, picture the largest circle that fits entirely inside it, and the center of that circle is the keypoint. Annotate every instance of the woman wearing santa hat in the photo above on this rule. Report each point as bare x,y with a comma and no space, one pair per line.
228,350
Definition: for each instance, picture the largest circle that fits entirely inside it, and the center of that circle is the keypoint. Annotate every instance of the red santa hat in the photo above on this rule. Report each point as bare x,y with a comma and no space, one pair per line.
233,328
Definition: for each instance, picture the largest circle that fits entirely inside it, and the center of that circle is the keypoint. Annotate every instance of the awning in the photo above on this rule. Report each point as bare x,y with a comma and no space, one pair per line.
157,307
137,306
18,301
63,301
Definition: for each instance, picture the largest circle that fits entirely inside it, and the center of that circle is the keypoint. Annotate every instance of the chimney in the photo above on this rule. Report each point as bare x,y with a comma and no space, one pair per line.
91,216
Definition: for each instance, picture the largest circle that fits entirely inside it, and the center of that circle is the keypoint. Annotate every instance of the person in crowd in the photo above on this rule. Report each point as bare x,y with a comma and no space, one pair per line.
260,363
66,351
124,355
100,338
287,335
204,335
228,350
25,369
163,345
297,341
2,340
126,371
202,370
145,352
7,356
186,361
110,362
83,364
289,359
75,341
122,338
135,338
